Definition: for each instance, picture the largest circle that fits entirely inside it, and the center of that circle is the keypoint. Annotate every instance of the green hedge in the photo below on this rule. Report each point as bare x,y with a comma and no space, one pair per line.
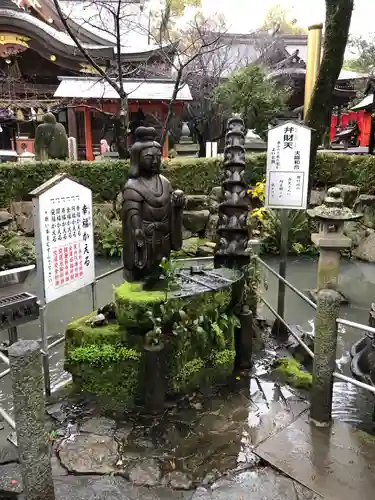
193,175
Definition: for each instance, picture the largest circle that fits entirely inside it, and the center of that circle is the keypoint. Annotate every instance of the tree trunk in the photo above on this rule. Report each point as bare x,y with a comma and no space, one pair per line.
171,108
338,17
121,125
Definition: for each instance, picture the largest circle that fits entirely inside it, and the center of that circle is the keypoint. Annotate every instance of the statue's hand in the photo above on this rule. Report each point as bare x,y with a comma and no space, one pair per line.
178,199
139,238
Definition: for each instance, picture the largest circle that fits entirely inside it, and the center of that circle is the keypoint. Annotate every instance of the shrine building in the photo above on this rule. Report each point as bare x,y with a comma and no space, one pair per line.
43,70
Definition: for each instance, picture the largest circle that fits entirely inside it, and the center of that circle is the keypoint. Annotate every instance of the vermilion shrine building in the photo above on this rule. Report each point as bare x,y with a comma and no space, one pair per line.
41,69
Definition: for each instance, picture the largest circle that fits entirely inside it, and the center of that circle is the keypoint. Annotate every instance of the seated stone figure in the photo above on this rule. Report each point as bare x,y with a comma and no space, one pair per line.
151,211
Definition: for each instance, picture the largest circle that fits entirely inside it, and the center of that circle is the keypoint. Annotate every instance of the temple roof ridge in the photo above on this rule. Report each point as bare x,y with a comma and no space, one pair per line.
58,35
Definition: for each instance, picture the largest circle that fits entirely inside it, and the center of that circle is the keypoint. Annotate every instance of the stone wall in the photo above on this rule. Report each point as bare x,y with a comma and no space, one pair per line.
199,219
201,216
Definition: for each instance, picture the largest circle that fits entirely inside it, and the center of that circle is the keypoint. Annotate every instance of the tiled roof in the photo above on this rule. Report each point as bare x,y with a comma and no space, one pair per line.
137,90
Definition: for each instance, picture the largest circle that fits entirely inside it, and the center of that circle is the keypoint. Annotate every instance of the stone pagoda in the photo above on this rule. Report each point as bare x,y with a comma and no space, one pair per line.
232,231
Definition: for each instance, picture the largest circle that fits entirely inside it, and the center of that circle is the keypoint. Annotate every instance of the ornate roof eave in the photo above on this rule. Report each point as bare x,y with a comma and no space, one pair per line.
295,73
148,52
275,53
46,10
46,40
84,34
50,39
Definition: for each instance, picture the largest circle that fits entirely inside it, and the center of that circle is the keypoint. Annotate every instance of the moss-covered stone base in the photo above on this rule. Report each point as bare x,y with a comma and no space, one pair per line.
109,362
290,371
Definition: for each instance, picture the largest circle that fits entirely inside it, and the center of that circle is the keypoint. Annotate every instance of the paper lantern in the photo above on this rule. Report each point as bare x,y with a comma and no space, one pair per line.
39,115
20,115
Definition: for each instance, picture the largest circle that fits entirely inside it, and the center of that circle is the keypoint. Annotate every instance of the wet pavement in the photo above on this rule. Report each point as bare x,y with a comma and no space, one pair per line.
202,447
337,463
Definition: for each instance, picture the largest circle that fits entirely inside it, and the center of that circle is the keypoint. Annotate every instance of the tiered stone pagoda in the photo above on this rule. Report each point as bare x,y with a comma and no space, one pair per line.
232,230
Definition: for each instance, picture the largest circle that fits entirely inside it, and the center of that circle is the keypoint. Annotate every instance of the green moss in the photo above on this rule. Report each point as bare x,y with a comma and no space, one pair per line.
132,303
79,333
134,292
106,371
189,377
197,373
100,355
107,361
223,358
291,372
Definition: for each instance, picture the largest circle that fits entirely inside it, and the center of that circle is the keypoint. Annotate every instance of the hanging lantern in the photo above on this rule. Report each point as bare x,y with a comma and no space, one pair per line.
39,115
20,115
33,114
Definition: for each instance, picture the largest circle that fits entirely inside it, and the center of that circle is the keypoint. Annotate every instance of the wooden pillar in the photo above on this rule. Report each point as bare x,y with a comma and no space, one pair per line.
72,122
371,145
88,137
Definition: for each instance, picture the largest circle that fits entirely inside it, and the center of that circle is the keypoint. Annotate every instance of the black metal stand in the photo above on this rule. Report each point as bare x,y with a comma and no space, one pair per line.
278,329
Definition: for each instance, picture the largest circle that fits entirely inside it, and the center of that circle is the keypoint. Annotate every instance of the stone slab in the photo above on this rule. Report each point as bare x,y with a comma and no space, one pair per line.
259,484
100,426
8,452
337,463
10,479
271,409
111,488
89,454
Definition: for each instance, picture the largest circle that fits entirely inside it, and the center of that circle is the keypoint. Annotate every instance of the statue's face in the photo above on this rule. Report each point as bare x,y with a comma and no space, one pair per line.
150,161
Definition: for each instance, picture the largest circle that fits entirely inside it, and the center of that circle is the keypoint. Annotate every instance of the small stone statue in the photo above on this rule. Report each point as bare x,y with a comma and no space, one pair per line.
151,211
51,141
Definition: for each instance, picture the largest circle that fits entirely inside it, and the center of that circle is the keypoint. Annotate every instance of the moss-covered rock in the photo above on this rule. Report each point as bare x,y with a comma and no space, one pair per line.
80,333
108,361
108,372
133,302
290,371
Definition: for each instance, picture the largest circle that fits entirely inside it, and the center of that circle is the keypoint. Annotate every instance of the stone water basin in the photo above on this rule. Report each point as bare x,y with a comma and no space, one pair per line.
196,344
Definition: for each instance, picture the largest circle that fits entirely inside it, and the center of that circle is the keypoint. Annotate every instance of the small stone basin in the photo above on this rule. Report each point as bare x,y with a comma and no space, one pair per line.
198,280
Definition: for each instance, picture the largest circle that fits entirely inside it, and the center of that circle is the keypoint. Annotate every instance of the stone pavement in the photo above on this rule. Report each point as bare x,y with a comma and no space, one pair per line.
199,450
260,484
228,446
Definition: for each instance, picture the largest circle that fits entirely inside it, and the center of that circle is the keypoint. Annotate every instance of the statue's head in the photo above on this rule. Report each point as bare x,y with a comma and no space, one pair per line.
145,154
49,118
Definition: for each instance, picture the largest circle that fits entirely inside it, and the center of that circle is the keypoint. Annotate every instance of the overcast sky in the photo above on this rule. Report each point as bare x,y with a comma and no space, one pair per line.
247,15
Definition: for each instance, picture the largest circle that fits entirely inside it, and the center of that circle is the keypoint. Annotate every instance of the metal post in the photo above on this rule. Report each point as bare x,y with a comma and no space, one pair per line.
29,413
325,343
43,327
12,334
93,295
278,328
244,342
155,389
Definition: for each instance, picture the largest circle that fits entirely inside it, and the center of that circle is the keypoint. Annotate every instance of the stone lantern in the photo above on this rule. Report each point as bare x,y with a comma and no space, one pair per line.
186,146
331,239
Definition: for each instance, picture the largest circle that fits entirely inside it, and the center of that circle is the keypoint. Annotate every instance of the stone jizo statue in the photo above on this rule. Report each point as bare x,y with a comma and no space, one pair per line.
51,141
151,211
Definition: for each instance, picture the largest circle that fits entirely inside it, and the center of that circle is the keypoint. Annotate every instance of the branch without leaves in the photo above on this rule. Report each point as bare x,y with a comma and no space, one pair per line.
86,54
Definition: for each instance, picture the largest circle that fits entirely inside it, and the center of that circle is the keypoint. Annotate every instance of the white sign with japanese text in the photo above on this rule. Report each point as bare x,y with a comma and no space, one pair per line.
64,237
288,164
